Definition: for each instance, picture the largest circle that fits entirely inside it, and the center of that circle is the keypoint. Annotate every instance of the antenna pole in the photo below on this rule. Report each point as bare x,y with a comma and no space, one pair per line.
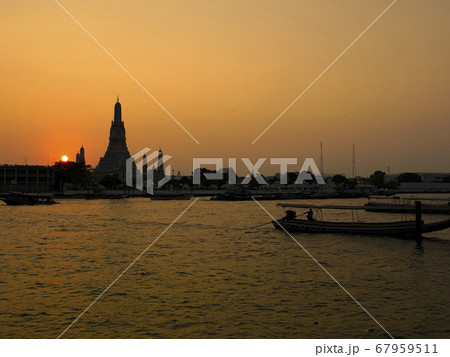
354,162
321,158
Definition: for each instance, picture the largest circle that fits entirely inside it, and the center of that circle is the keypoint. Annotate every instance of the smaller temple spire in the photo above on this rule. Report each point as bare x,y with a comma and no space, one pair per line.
117,98
80,158
160,166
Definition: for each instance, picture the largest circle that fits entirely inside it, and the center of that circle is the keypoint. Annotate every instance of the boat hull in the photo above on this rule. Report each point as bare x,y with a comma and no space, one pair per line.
27,199
170,197
101,196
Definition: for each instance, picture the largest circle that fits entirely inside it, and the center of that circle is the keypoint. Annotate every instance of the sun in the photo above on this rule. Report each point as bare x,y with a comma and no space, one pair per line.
64,158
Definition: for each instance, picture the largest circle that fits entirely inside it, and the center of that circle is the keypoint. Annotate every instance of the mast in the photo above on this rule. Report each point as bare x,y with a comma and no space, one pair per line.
354,162
321,158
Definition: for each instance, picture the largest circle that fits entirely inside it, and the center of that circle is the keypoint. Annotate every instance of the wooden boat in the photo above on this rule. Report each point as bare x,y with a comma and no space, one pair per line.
245,197
170,196
28,199
397,204
401,228
105,196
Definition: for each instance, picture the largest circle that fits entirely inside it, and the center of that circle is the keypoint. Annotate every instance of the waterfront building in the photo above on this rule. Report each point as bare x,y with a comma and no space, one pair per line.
27,178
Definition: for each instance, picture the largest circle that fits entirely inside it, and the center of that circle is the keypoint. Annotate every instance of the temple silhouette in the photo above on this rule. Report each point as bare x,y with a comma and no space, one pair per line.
157,169
80,158
113,162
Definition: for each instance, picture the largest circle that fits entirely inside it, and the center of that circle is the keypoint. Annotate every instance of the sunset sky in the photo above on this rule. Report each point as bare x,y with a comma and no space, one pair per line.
225,70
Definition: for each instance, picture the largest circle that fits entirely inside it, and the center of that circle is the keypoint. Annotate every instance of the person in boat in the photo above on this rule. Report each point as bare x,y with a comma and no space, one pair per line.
310,215
289,215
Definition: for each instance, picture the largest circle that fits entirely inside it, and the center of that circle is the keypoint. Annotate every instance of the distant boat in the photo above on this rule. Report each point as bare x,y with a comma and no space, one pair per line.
397,204
28,199
244,195
401,228
105,196
232,195
170,196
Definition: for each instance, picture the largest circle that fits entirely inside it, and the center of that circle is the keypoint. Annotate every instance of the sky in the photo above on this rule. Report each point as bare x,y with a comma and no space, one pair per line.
225,70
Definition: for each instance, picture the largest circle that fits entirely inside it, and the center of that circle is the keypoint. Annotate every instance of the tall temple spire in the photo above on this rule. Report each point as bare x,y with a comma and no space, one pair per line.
117,112
113,162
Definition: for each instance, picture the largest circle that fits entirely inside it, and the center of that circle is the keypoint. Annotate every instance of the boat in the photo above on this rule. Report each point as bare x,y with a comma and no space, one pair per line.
170,196
291,223
233,195
397,204
245,195
105,196
28,199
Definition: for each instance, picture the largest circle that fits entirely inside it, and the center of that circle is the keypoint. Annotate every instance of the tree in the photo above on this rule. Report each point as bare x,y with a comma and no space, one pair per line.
291,177
352,183
207,182
339,180
377,179
111,181
74,173
391,185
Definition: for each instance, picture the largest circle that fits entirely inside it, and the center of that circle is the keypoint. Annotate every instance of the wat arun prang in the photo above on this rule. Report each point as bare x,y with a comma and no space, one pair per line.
113,163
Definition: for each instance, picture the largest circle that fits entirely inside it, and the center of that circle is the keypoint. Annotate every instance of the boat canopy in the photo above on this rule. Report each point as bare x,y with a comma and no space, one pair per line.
380,197
427,198
304,205
409,198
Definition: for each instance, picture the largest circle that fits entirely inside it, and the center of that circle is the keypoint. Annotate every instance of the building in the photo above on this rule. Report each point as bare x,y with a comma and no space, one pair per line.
27,178
425,177
80,157
435,177
113,162
429,182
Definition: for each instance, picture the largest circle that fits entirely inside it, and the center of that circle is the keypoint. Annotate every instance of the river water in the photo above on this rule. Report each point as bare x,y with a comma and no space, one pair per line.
210,275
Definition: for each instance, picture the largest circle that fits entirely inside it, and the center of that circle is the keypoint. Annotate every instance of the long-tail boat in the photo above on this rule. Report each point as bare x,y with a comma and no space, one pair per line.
28,199
291,223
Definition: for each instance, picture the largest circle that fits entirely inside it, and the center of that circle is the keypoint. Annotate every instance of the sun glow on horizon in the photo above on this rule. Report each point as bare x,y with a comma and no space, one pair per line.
64,158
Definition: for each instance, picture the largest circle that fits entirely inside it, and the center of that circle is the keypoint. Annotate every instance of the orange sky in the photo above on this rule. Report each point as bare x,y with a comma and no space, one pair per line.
225,70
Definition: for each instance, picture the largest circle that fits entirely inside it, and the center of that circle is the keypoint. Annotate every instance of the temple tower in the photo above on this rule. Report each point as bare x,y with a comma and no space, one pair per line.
80,158
113,162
